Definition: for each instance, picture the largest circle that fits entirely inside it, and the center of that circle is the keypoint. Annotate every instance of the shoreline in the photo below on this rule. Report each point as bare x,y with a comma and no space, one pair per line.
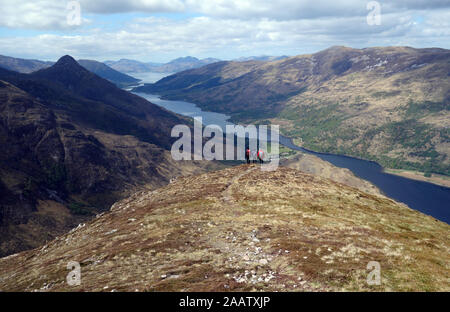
436,179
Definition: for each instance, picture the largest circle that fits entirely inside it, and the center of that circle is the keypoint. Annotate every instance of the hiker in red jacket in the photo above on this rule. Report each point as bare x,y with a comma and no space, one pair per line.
247,155
261,156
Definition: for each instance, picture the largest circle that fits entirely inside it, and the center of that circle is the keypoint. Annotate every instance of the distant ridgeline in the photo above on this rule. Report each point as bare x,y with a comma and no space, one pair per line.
28,66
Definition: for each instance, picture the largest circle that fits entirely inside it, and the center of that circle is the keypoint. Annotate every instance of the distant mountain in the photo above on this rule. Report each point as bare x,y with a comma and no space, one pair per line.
28,66
176,65
387,104
183,63
264,58
106,72
131,66
73,143
22,65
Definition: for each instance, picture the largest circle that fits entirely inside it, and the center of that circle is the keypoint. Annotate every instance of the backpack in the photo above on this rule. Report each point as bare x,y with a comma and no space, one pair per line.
260,154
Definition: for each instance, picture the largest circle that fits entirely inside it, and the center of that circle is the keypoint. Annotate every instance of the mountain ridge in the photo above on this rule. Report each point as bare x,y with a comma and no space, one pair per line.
26,66
218,232
175,65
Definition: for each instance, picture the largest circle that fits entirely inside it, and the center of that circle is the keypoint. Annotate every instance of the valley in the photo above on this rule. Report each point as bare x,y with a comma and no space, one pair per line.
390,105
100,160
224,154
365,175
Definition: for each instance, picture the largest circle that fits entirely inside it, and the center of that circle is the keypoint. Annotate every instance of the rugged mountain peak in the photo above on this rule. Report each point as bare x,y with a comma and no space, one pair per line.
66,71
68,64
66,60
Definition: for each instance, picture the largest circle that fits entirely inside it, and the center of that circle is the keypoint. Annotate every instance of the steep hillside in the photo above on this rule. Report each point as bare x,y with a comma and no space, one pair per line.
106,72
263,58
314,165
385,104
73,144
95,102
22,65
220,232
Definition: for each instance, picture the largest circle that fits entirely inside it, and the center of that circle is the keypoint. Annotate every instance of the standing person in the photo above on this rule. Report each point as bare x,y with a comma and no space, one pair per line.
261,156
247,155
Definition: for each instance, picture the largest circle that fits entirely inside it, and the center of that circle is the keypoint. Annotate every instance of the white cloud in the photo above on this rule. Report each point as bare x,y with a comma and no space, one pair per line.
51,14
226,29
279,10
148,38
39,14
149,6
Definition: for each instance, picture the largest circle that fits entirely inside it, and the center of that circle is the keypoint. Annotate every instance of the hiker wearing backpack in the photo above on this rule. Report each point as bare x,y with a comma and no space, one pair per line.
261,156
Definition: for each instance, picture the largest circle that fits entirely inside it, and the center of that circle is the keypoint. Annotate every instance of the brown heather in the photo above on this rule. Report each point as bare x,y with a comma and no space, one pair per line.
242,229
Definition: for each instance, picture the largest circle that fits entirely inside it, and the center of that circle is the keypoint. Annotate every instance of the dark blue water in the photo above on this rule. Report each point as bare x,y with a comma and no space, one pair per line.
431,199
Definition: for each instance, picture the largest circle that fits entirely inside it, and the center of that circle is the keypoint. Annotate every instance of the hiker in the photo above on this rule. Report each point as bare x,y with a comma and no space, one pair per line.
261,156
247,155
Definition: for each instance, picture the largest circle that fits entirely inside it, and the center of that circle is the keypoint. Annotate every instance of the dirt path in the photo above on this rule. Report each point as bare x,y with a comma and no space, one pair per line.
246,253
227,193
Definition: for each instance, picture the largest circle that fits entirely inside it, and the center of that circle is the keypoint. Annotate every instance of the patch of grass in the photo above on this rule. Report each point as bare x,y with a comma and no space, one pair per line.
420,109
385,94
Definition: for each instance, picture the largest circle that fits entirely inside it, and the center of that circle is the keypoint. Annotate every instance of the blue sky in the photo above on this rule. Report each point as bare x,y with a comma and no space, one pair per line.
160,30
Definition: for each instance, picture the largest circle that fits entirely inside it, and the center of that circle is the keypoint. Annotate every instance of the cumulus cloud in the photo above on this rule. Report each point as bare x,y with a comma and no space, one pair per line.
39,14
51,14
279,10
206,36
223,29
